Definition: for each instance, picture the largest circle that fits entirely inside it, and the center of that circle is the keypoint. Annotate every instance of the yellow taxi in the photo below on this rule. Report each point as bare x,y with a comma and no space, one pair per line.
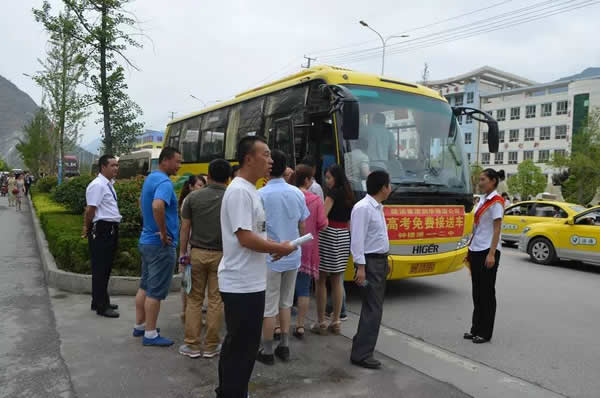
526,213
576,238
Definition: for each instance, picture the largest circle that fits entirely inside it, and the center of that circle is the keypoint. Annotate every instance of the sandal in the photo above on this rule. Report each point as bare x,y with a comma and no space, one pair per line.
319,328
335,327
297,333
277,333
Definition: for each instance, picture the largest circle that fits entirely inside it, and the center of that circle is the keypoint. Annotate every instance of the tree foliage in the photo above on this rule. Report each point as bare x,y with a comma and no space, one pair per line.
580,178
529,180
36,148
4,166
103,30
476,170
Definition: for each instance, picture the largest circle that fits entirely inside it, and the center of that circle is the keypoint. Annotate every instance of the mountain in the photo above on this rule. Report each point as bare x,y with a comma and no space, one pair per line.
93,146
16,110
587,72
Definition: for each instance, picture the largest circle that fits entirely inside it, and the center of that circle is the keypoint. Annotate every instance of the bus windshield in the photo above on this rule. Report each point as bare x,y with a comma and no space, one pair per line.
413,137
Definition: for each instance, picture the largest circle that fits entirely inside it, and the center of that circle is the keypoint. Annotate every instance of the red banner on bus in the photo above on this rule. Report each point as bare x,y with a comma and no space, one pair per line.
422,222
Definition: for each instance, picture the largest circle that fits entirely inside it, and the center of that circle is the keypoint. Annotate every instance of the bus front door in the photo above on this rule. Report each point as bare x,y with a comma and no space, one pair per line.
281,137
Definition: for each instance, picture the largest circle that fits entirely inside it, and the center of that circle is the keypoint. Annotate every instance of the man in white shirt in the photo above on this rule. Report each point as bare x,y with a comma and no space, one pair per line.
243,269
370,246
315,187
101,227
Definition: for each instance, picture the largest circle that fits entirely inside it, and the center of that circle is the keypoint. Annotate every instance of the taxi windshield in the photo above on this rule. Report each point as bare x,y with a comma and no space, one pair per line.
413,137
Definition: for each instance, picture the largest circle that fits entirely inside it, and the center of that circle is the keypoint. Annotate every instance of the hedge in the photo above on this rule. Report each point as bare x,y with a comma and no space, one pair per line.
63,233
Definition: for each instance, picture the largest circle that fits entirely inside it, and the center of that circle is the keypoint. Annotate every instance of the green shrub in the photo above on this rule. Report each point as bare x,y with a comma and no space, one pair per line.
45,185
71,193
128,192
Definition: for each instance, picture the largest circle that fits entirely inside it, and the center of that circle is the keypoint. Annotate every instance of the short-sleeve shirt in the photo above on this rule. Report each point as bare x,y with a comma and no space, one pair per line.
484,231
158,186
242,270
101,194
340,212
317,190
285,207
203,208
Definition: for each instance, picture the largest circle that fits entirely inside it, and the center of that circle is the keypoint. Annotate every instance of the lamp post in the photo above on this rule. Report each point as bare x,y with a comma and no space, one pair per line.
203,103
383,42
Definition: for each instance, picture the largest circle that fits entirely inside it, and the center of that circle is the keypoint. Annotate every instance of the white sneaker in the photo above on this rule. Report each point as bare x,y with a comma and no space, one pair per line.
212,354
188,352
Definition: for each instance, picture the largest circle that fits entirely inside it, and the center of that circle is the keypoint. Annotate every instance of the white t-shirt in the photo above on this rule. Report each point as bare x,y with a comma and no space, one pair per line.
101,194
484,231
242,270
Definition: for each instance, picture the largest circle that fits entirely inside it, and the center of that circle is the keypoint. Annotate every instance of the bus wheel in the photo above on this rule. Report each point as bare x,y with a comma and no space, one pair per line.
542,251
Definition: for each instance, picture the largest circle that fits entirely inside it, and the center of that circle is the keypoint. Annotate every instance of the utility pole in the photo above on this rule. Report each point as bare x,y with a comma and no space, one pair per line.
308,59
172,115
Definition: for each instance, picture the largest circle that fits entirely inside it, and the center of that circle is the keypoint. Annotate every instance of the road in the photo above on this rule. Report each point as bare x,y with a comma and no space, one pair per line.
546,326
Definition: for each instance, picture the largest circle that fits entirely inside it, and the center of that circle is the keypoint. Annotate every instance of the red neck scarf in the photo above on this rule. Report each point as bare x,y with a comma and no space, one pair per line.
486,205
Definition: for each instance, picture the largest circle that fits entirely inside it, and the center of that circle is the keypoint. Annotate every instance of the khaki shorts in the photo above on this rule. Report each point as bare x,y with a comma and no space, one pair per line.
280,291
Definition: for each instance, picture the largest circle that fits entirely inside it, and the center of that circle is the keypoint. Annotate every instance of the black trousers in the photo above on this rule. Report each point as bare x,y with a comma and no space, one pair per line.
371,312
483,280
103,240
244,314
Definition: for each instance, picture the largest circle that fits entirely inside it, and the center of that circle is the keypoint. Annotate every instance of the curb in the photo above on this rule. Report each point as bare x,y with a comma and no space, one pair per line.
82,283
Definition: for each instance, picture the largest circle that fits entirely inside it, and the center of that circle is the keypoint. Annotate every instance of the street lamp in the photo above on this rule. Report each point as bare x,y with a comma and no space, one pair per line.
383,42
203,103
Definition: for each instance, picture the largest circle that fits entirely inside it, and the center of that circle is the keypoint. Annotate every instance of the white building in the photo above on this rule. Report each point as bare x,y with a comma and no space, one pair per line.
537,122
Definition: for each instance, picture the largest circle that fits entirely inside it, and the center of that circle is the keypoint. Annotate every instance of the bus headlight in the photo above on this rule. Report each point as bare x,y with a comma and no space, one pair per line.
463,242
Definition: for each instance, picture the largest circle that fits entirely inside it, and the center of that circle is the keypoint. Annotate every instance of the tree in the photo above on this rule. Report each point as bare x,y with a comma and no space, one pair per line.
476,170
529,180
63,70
102,30
36,149
579,175
4,166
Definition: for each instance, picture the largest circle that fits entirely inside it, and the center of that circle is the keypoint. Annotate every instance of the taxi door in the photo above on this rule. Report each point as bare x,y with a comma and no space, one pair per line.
581,241
515,219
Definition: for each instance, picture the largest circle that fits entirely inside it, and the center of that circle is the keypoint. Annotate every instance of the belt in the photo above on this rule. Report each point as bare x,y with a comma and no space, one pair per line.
377,255
204,248
105,222
338,224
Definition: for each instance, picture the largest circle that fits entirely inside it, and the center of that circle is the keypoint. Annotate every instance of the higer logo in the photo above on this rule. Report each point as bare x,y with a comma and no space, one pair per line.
425,249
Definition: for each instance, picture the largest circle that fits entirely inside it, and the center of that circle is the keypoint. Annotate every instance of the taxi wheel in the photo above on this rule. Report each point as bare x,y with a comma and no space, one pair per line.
541,251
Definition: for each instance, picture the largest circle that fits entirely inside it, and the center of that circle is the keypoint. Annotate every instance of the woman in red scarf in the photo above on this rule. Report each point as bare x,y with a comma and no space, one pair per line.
484,256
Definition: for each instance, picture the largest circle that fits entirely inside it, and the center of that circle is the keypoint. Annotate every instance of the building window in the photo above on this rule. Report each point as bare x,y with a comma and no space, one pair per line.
544,133
546,109
501,115
560,132
485,158
469,157
459,118
529,134
514,136
562,107
543,156
467,138
530,111
458,100
470,97
527,155
515,113
513,157
485,137
557,90
501,136
499,158
469,119
560,152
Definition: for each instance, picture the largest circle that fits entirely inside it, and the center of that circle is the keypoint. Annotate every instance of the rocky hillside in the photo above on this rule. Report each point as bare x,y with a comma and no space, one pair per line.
16,110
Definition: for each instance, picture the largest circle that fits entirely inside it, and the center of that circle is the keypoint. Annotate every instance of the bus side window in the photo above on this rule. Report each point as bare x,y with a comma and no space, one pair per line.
174,132
190,138
212,138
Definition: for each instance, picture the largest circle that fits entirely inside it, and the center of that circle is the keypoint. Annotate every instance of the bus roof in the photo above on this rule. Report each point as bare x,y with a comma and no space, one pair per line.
332,75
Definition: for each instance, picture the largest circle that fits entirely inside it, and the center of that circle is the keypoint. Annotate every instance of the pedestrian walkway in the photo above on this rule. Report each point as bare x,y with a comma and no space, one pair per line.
30,361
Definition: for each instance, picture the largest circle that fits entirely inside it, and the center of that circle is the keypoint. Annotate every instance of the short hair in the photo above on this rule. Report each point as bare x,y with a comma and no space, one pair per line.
219,170
376,181
167,153
246,147
494,175
279,163
303,171
104,160
309,161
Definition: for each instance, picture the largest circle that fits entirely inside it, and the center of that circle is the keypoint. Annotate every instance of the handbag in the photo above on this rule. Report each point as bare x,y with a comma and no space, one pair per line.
15,191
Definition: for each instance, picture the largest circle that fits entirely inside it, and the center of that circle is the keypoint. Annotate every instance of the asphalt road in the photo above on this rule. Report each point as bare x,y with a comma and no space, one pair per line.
547,320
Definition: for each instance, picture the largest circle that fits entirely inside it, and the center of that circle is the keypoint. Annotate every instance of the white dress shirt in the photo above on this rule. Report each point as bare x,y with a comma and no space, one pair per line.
101,194
317,190
483,232
368,230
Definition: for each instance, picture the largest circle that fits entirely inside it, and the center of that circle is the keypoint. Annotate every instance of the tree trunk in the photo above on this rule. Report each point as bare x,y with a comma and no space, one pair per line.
63,110
108,145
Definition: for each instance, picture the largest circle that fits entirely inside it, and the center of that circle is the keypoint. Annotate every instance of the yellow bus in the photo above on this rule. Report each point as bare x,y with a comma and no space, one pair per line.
340,116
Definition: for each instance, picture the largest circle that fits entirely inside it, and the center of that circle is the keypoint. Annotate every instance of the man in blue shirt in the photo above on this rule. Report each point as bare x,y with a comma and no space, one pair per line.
157,245
286,210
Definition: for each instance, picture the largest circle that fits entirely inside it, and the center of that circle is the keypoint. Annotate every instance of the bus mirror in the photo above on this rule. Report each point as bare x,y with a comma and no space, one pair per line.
493,136
346,104
481,116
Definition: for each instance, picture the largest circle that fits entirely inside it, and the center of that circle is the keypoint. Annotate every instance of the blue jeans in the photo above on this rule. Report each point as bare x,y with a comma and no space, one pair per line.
158,265
329,307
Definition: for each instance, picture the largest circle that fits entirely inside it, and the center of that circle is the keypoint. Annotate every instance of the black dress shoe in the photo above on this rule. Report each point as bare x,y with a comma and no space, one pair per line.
267,359
109,313
468,336
479,340
111,306
369,363
283,353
